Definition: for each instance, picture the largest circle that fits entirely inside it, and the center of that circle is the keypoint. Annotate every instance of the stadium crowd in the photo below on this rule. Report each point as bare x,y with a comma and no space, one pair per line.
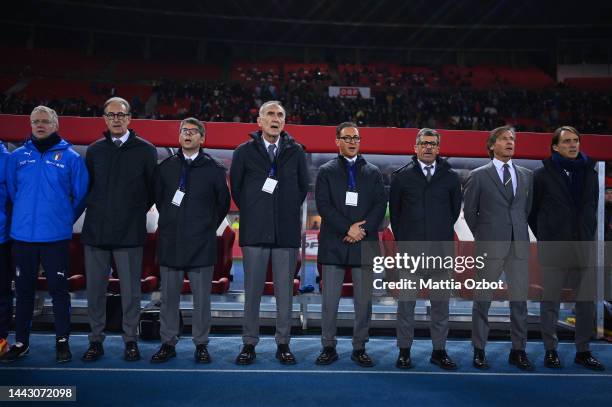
401,104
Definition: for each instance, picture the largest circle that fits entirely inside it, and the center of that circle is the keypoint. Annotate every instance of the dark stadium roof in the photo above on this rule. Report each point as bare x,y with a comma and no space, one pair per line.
423,24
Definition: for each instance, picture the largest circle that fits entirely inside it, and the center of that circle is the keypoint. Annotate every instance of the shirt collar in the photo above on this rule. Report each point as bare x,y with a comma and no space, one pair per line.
351,160
423,165
267,143
122,138
500,164
191,157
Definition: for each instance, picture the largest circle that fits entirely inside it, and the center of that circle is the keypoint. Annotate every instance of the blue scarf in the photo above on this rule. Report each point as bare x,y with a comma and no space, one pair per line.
574,175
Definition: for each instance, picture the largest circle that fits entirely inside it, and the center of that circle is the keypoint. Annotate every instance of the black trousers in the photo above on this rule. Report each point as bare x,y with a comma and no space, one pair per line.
7,272
54,259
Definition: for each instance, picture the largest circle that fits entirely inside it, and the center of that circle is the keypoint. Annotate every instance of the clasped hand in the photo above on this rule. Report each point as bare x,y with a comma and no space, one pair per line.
355,233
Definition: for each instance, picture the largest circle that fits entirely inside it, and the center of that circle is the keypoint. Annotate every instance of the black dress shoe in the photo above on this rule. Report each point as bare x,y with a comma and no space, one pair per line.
62,350
361,358
15,352
328,356
519,359
201,354
164,354
441,358
246,355
480,360
551,360
587,360
131,353
284,355
94,352
403,360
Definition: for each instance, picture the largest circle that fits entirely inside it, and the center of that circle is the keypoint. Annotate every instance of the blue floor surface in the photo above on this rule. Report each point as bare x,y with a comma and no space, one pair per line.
111,381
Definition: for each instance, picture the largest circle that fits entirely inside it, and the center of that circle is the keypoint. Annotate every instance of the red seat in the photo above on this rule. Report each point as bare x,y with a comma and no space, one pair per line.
149,279
223,266
76,267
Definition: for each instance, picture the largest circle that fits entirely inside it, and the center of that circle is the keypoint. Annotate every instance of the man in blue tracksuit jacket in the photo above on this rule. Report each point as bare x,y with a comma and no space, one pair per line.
6,271
47,181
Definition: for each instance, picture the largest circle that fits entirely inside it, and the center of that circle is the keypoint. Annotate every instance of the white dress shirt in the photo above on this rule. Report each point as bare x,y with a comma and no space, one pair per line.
432,165
499,166
122,138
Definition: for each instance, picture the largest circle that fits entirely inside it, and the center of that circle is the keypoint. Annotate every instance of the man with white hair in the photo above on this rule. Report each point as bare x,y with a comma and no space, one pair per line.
47,181
269,182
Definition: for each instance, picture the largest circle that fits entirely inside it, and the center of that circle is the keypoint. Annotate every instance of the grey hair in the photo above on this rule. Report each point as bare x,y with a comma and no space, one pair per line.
118,100
44,109
269,103
427,132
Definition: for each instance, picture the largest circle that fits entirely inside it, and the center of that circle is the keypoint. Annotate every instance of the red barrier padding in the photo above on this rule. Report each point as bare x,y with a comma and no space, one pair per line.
317,139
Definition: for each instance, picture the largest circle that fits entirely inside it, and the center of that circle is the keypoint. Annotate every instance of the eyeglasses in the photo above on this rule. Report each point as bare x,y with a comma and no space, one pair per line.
41,121
191,132
348,139
117,116
431,144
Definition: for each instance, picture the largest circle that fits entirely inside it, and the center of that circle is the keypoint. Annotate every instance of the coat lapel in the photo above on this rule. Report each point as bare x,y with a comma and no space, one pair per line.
418,171
558,177
492,171
440,171
521,179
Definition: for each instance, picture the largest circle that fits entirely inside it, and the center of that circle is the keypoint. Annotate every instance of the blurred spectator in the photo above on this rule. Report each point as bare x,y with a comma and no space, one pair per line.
403,100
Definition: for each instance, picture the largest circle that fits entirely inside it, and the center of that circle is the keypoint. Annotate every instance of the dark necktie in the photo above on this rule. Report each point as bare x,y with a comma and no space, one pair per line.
188,161
428,175
508,182
352,183
271,151
118,142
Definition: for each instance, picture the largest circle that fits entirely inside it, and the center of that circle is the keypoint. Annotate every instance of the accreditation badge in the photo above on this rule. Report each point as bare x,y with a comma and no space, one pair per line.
351,198
269,186
178,197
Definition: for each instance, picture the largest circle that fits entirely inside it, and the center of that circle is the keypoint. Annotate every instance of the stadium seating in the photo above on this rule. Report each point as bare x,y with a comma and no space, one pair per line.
593,84
147,70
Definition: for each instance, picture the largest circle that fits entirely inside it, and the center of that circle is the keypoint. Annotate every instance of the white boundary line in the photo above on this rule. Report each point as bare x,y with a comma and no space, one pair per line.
305,371
318,338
